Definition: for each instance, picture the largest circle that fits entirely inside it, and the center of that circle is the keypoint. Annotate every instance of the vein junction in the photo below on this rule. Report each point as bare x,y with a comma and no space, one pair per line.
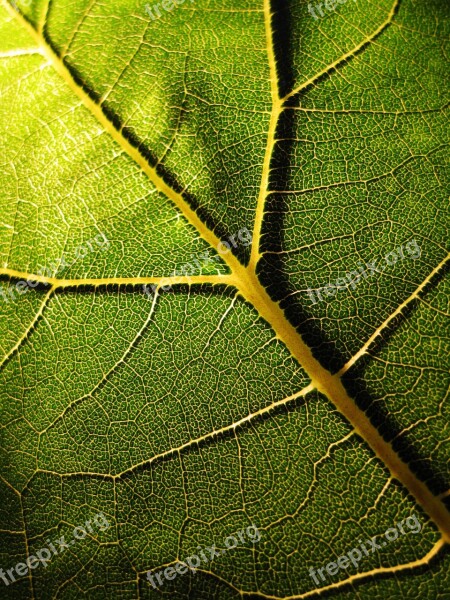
244,278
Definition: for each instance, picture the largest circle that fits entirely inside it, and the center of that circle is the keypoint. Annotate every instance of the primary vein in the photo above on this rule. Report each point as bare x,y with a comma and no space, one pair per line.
245,279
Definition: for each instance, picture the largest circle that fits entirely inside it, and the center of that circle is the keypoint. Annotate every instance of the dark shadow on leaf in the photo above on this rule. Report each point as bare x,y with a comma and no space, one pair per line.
272,273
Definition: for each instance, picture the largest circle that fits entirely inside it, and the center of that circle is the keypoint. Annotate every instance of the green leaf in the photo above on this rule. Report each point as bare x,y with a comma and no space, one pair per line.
164,393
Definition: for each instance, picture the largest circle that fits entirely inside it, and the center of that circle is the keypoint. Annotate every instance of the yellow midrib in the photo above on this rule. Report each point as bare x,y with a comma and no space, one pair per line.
333,388
275,113
245,280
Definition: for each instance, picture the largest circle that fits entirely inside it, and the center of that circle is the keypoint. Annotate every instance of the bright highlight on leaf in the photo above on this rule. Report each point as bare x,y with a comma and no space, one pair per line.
224,238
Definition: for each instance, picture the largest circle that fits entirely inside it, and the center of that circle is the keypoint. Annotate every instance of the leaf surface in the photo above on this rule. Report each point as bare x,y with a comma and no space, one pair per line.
231,398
